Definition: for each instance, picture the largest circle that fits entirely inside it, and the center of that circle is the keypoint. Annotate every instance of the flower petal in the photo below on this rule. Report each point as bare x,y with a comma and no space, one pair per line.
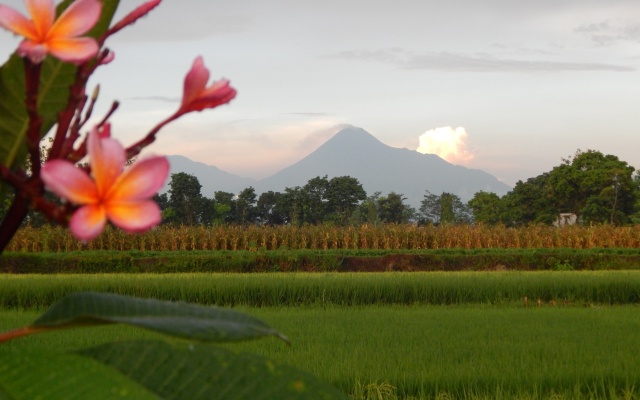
135,217
17,23
69,182
88,222
73,50
43,13
134,15
141,181
107,158
217,94
195,81
34,50
77,19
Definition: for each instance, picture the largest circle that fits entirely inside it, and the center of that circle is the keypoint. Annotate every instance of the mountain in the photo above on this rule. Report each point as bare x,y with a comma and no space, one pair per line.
355,152
211,178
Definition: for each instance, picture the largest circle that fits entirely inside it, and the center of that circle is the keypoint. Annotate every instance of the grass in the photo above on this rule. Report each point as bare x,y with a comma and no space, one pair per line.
465,335
468,351
345,289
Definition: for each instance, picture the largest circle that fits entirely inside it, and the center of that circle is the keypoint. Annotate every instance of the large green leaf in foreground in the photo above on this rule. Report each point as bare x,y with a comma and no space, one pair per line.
201,371
51,376
180,319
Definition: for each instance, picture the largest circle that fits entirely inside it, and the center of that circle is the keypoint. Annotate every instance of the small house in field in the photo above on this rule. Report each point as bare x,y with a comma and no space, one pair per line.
566,219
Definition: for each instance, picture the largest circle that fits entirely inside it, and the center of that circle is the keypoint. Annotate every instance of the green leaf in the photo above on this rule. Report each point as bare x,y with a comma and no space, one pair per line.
179,319
56,78
198,371
37,375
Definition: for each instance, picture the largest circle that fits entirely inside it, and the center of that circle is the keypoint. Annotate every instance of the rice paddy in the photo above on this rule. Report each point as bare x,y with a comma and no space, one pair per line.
466,335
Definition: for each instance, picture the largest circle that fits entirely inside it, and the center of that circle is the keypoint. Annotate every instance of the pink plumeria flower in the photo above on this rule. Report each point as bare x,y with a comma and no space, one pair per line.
45,35
115,194
197,96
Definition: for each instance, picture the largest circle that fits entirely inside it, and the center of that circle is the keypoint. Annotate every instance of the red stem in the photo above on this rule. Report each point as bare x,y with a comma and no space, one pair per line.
32,86
12,221
16,333
137,147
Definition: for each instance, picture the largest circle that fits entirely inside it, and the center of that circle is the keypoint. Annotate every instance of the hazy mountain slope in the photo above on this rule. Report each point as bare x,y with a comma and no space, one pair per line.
379,167
355,152
211,178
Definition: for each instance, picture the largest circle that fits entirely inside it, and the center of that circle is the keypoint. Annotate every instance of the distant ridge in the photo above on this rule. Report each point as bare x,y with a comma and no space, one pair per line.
355,152
211,178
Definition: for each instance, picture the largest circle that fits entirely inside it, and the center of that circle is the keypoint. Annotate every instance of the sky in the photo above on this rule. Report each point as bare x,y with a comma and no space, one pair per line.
507,86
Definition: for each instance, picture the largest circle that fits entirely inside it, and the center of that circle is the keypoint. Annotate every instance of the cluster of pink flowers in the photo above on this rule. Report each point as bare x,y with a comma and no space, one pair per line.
106,191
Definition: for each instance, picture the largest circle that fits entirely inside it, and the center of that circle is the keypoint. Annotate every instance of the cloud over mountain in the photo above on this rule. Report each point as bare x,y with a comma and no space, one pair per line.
448,143
355,152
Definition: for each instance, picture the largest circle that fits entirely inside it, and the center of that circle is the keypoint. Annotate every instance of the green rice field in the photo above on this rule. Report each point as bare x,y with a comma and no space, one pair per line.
400,336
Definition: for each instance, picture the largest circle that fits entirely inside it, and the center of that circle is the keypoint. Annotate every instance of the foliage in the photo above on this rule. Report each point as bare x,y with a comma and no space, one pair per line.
344,193
596,187
270,209
245,206
446,208
486,208
151,369
185,200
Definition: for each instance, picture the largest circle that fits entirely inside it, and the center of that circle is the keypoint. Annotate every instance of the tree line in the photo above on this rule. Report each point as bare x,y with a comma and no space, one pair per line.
596,188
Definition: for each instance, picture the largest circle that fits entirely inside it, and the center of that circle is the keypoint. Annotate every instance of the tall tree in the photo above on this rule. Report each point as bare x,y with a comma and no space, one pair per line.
344,193
486,208
270,210
293,205
594,186
392,209
245,206
185,199
446,208
316,199
224,208
528,203
367,211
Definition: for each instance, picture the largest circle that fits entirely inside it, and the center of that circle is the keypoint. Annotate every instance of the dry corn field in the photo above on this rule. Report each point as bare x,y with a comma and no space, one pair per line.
325,237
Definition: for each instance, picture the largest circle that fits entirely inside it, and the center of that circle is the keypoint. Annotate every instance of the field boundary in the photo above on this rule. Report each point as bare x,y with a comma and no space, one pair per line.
241,261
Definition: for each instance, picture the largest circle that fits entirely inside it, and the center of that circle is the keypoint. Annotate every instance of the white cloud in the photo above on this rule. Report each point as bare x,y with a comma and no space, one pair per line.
448,143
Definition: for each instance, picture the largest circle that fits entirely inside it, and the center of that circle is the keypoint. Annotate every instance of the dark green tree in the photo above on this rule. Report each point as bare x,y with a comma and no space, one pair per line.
315,200
528,203
246,206
344,194
446,208
293,204
367,211
486,208
392,209
185,199
224,208
208,212
270,210
596,187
